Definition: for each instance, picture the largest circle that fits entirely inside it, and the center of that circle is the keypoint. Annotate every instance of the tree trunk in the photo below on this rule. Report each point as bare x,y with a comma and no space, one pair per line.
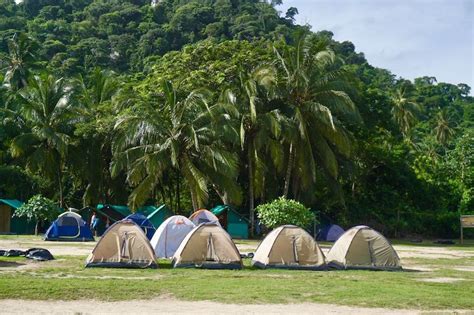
60,186
291,157
194,200
178,195
37,227
251,193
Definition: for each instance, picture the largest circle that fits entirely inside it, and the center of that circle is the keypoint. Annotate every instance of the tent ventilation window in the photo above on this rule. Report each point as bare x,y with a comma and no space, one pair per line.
210,256
124,247
295,251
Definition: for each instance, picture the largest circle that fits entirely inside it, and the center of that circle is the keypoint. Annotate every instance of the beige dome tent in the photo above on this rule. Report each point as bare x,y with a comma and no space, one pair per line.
289,247
123,245
208,246
363,248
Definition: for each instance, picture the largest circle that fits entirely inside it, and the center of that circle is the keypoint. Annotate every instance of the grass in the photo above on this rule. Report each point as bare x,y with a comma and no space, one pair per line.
67,279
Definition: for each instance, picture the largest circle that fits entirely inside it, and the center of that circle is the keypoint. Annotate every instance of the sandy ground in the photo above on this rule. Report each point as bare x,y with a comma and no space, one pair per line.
172,306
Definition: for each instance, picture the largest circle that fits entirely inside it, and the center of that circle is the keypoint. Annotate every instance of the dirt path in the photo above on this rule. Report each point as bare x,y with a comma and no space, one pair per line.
171,306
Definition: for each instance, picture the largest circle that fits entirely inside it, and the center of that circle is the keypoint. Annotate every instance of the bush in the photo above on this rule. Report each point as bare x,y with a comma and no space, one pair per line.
284,211
38,209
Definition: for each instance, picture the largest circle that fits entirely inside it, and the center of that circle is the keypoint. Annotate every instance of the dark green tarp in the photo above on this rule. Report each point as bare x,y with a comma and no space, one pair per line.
18,225
235,224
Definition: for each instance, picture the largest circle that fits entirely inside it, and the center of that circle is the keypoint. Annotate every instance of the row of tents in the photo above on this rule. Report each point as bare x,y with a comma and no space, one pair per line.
229,218
205,244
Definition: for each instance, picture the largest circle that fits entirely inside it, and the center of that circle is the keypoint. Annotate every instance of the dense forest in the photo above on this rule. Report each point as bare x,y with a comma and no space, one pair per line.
195,103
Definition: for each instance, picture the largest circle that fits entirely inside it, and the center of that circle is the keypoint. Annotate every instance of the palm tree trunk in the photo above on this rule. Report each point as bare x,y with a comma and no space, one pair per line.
194,200
60,186
178,195
291,157
251,192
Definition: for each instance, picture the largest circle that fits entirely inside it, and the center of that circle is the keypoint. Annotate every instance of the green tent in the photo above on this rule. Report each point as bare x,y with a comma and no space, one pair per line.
10,224
235,224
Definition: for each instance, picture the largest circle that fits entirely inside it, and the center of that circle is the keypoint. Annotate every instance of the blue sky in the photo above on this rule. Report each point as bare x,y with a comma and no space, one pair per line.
411,38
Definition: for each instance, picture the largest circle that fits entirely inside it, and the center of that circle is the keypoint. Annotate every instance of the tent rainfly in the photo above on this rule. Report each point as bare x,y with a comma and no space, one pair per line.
208,246
170,234
143,222
124,245
289,247
363,248
69,226
203,216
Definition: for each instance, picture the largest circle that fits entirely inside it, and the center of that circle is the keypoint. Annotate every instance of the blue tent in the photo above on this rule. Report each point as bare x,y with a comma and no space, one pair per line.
143,222
69,226
330,233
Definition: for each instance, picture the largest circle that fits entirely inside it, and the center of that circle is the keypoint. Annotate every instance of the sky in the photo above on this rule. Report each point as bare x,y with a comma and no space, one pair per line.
411,38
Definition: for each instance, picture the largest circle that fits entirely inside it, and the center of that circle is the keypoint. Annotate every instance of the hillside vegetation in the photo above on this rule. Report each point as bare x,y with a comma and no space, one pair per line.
193,103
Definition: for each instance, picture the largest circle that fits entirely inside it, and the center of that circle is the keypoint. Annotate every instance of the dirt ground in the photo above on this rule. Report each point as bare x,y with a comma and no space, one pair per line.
168,305
172,306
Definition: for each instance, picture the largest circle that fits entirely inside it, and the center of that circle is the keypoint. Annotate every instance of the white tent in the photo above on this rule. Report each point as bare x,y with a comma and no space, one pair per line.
170,234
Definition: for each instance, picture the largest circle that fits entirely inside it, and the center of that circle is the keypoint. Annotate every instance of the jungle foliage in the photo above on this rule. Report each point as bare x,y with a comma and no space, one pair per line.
199,102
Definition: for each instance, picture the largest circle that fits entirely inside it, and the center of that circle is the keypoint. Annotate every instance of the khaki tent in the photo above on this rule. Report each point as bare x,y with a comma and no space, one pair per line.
289,247
208,246
123,245
363,248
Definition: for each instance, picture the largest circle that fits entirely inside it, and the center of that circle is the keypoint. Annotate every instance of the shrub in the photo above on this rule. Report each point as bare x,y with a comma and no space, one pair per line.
38,209
284,211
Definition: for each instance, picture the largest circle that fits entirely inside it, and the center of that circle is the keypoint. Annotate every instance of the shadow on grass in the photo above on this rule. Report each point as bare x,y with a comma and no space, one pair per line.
10,264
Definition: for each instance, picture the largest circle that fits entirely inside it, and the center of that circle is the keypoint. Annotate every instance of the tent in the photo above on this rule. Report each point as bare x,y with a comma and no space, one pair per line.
69,226
234,223
10,224
123,245
144,223
170,234
289,247
208,246
330,233
156,215
203,216
363,248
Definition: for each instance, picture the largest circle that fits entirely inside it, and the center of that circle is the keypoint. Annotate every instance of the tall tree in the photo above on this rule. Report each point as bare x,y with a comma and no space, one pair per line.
47,111
20,60
404,111
259,124
177,134
443,130
314,91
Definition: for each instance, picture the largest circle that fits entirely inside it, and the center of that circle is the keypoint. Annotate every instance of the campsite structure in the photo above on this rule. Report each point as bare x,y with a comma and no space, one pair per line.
363,248
124,245
143,222
330,233
69,226
208,246
289,247
10,224
233,222
170,234
203,216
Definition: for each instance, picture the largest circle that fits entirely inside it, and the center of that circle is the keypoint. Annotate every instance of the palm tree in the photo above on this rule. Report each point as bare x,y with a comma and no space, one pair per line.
259,126
443,131
92,152
46,110
177,134
404,112
314,90
20,61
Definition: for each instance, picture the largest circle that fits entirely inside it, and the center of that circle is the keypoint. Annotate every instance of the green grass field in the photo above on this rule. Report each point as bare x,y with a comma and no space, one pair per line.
67,279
